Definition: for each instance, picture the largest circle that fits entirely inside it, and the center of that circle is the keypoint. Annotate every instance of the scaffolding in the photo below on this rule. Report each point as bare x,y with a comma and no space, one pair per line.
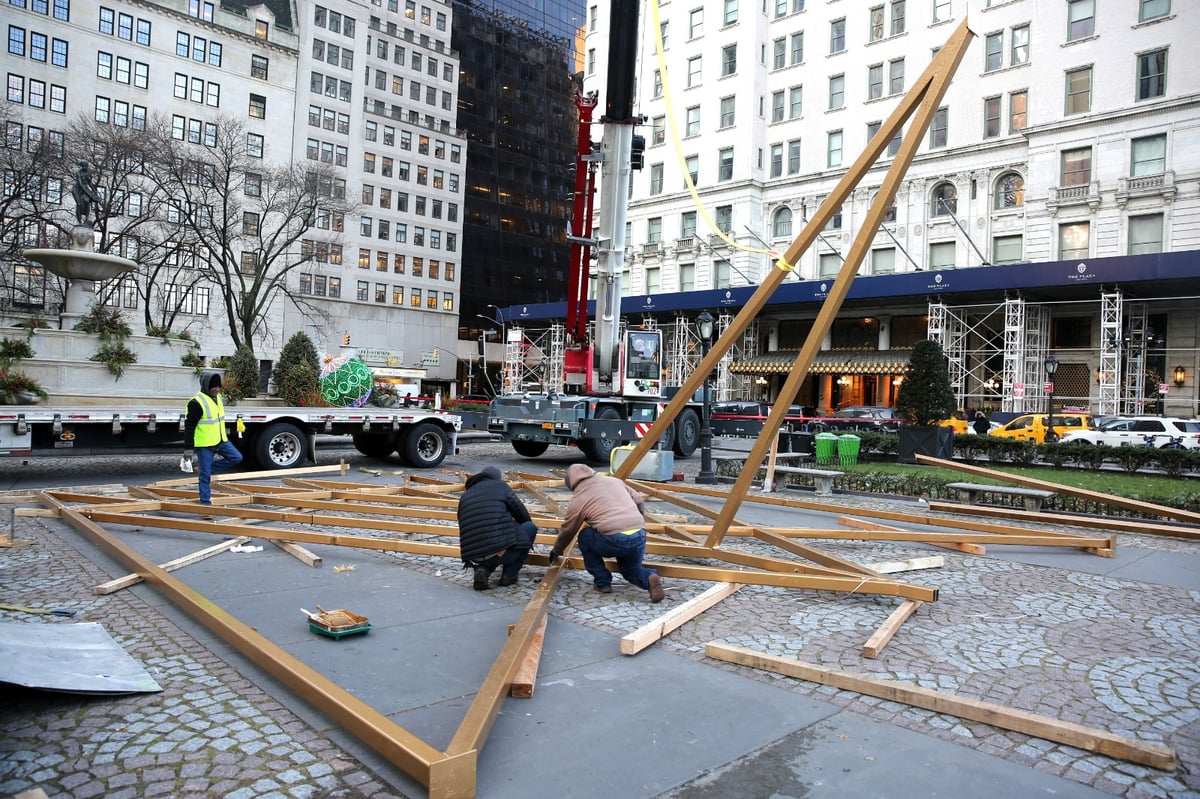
1137,331
555,375
514,360
1108,373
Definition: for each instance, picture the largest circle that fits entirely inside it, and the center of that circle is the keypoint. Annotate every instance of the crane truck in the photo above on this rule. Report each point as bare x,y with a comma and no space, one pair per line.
613,387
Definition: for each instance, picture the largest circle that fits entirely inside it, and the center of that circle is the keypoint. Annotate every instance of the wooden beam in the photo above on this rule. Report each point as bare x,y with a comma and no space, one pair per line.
112,586
526,677
1092,740
1148,508
1072,519
675,618
879,640
862,524
219,478
911,564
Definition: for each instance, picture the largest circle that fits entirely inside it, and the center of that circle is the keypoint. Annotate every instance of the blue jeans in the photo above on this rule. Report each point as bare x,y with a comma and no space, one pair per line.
627,549
229,457
513,559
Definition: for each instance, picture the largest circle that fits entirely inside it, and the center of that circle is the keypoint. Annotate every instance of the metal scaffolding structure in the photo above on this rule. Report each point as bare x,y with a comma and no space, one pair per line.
553,367
1108,373
1137,330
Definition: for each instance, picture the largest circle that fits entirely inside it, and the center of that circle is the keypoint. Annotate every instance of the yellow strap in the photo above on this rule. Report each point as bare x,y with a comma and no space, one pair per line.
784,266
630,532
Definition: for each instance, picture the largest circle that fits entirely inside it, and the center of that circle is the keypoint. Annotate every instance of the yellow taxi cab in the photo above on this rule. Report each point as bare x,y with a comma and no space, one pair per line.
1033,426
959,423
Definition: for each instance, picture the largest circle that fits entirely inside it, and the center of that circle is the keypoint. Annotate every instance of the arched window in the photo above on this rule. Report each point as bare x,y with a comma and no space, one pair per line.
1010,191
944,199
781,225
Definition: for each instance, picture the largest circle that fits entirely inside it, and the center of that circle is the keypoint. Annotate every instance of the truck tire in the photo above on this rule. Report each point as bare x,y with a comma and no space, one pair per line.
280,446
687,433
424,446
599,450
375,445
530,449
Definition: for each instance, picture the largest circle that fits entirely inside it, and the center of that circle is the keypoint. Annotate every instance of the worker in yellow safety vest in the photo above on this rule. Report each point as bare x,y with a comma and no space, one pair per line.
205,435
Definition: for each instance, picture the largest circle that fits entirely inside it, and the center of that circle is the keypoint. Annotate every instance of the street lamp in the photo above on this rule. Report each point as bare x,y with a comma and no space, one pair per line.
704,328
1051,365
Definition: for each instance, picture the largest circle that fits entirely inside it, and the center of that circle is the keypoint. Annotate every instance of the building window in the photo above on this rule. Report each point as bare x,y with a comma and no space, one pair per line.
837,36
991,117
729,59
993,52
797,48
779,53
654,230
692,125
1016,111
1145,234
944,199
725,164
1010,191
837,92
258,67
875,81
896,76
731,12
1148,156
687,277
1081,19
1020,45
1079,90
363,291
883,261
250,223
1152,74
793,157
795,102
656,178
695,22
776,162
1073,240
658,130
830,263
721,279
728,104
941,255
939,129
687,224
723,218
781,223
1077,167
876,32
777,109
833,149
692,164
1008,249
258,106
897,17
1153,9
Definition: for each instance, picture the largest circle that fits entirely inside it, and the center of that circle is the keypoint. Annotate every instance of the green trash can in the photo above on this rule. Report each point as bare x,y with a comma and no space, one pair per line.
826,446
847,447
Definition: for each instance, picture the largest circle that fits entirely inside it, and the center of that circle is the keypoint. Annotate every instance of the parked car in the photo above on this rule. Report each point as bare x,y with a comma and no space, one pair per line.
1135,430
1033,426
878,418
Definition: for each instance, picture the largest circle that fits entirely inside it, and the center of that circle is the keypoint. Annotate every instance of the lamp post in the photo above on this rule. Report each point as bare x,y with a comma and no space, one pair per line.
1051,365
704,328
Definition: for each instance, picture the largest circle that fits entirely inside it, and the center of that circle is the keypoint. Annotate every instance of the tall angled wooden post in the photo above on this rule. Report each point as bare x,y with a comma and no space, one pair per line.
923,99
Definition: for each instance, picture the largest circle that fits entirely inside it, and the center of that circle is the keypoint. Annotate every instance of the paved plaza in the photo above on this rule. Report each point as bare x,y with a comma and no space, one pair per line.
1108,643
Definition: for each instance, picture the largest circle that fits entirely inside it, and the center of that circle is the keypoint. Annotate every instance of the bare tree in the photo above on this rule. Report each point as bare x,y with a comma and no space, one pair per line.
245,218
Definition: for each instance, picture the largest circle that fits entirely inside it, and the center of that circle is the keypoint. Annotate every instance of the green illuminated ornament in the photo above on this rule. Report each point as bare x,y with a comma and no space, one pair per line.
345,382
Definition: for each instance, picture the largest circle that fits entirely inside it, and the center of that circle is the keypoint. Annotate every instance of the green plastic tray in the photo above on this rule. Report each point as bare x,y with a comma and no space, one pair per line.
339,632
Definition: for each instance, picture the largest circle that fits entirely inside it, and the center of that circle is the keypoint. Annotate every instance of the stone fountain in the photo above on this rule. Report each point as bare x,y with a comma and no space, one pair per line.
81,265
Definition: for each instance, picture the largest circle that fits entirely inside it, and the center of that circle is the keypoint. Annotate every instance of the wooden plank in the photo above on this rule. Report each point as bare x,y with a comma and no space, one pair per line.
769,477
273,473
1149,508
526,676
1072,519
300,553
43,513
1092,740
879,640
911,564
862,524
112,586
675,618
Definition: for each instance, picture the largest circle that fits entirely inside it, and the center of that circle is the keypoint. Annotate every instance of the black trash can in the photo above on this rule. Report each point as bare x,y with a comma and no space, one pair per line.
802,443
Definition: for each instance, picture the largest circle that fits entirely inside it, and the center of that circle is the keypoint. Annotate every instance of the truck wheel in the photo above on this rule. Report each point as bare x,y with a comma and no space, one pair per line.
424,446
377,446
687,433
530,449
280,446
599,450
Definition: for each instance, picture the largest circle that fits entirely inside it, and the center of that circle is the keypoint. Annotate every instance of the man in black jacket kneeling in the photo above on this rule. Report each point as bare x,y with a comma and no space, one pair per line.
494,528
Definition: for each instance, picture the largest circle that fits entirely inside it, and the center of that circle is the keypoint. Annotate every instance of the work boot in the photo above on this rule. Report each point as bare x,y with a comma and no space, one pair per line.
508,579
604,589
481,579
656,589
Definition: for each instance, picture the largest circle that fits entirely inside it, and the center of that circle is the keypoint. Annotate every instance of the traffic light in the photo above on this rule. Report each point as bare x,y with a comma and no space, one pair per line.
637,152
346,340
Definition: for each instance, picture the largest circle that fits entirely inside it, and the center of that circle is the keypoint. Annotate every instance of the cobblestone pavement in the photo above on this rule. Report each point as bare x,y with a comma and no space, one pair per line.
1110,653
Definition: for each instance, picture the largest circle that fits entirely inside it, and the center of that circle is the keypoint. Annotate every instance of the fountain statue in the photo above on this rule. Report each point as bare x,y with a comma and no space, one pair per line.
81,265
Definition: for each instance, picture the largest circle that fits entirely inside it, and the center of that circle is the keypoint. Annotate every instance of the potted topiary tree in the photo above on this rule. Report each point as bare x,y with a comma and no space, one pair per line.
925,398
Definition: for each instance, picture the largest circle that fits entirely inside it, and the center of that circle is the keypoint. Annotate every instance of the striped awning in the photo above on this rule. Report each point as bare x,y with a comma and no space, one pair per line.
835,362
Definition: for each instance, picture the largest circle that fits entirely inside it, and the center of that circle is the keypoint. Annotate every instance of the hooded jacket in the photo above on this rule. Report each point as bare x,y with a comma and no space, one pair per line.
598,501
489,513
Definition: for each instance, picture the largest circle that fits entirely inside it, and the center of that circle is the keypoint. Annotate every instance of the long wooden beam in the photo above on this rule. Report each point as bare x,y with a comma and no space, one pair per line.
887,630
1149,508
675,618
430,767
1072,519
942,66
112,586
1064,732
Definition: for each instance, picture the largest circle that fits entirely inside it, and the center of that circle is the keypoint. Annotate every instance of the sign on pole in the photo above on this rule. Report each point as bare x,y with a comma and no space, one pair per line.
1018,390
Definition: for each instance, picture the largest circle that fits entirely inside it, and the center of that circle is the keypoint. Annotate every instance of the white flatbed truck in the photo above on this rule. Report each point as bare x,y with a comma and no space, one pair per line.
274,437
